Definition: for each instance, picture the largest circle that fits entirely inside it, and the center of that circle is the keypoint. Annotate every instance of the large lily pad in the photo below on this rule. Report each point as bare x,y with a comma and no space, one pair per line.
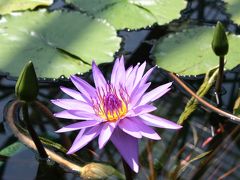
8,6
44,38
233,8
190,53
133,14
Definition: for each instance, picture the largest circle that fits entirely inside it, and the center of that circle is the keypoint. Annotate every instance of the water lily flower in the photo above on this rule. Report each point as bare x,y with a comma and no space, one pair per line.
117,110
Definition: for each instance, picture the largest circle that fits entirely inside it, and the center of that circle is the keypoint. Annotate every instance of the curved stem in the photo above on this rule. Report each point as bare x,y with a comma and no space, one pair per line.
202,101
50,116
28,142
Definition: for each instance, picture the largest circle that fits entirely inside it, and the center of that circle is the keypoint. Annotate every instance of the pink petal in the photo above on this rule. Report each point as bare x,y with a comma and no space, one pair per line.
85,115
141,110
144,129
81,132
127,146
68,115
106,133
146,76
114,71
156,121
138,93
130,128
85,138
74,94
85,88
121,74
73,104
128,71
131,78
98,77
139,74
155,93
118,75
78,125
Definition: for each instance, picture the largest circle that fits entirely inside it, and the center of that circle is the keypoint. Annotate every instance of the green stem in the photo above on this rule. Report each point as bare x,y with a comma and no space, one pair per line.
32,133
219,81
127,170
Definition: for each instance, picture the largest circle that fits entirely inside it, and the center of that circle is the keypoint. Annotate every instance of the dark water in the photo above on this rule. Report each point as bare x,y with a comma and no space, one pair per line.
175,148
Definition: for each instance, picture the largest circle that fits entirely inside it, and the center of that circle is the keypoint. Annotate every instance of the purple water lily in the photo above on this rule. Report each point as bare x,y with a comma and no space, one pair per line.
116,110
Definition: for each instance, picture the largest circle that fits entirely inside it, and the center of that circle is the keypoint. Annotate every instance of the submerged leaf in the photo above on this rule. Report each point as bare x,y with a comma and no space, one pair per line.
11,150
55,49
8,6
132,14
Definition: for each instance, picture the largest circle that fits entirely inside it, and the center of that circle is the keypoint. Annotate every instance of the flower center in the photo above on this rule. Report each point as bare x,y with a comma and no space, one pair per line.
109,104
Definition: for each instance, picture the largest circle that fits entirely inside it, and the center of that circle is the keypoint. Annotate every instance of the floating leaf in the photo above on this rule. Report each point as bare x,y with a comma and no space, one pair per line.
9,6
232,7
133,14
189,52
58,43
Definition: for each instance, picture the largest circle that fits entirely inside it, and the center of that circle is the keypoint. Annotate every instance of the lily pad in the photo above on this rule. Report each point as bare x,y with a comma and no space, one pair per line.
190,53
9,6
58,43
233,8
132,14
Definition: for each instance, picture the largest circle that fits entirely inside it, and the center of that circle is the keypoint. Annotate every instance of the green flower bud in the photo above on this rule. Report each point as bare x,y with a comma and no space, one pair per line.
220,41
26,88
99,171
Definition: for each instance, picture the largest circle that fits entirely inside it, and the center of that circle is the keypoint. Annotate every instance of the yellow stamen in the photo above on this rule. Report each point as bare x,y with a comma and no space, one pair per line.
114,116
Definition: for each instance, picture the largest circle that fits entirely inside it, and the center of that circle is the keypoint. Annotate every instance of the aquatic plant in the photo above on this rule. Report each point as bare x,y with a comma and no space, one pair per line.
116,110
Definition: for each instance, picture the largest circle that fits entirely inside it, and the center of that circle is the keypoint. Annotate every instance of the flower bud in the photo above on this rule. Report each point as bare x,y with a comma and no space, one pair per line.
26,88
99,171
220,41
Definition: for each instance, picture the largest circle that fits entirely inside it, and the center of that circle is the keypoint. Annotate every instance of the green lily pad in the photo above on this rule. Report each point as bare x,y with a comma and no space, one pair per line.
58,43
190,53
9,6
132,14
233,8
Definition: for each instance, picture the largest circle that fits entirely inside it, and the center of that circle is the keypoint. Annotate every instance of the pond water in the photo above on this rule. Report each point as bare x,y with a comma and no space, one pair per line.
174,157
